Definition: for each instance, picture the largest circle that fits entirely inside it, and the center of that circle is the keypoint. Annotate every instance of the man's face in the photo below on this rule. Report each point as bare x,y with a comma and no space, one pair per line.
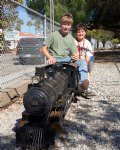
80,34
65,27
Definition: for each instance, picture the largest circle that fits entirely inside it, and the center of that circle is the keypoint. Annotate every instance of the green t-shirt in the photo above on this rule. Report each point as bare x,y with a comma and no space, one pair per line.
60,46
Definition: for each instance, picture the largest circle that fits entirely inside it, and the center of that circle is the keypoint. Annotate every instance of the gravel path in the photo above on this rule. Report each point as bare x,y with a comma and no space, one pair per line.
92,124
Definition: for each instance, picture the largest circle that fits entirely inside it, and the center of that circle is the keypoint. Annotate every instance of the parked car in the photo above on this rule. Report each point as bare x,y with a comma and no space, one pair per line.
28,51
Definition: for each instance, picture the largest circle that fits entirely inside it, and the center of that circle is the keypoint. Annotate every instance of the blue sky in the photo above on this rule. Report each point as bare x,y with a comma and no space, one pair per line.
22,14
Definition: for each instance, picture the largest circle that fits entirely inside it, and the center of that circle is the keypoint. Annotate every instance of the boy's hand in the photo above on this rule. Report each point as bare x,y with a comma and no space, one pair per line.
75,56
51,60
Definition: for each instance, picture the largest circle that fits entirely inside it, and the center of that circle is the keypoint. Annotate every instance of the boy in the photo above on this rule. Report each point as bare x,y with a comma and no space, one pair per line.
60,43
84,48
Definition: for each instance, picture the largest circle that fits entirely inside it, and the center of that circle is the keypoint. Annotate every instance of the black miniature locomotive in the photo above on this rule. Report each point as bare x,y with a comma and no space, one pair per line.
46,103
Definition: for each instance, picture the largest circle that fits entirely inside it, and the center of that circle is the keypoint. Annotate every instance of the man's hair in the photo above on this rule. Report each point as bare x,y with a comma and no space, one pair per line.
66,18
80,26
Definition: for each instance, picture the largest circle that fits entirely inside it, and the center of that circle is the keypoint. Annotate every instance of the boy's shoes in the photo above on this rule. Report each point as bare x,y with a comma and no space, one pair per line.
91,93
86,94
84,86
83,89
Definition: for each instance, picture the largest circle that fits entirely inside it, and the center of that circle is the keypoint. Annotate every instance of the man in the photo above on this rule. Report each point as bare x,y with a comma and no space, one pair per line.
60,47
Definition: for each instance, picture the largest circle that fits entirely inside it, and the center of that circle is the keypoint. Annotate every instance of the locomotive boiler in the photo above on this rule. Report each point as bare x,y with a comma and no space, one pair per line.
46,103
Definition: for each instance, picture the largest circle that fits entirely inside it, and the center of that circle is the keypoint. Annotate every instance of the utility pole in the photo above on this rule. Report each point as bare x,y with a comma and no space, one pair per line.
51,15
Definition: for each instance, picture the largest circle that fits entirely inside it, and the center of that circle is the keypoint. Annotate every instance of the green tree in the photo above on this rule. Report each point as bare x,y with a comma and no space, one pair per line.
105,35
9,15
101,35
94,34
20,22
79,10
115,41
77,7
59,9
20,1
38,5
95,13
104,13
29,23
37,25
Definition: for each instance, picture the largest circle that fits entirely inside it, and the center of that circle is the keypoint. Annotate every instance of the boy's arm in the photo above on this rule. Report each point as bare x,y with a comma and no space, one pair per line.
75,56
87,58
44,50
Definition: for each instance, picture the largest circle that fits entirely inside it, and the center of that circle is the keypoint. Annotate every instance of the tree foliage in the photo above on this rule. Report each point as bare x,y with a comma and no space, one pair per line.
9,16
38,5
78,8
29,23
19,24
37,25
19,1
96,14
101,35
115,41
104,13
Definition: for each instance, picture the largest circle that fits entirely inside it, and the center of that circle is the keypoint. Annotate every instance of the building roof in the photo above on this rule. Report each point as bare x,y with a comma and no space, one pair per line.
29,35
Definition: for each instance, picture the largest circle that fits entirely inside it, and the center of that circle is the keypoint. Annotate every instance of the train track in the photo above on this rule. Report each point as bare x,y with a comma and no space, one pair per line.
107,56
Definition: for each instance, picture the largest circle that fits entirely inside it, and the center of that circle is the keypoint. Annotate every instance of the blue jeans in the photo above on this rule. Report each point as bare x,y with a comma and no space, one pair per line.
83,67
66,59
91,62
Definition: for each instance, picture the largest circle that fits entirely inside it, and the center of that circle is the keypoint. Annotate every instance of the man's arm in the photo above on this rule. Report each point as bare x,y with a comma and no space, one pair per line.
44,50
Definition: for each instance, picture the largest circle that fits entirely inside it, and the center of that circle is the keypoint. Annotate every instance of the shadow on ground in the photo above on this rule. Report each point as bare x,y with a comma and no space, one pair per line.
7,142
96,131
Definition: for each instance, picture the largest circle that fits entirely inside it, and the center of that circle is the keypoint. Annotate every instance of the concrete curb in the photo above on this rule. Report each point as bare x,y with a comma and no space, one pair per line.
9,94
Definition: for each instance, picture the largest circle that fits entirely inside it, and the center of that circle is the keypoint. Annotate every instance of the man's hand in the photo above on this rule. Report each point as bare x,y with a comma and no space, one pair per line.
51,60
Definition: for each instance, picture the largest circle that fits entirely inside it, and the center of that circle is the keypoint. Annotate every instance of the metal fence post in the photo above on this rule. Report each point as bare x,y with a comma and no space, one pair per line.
45,34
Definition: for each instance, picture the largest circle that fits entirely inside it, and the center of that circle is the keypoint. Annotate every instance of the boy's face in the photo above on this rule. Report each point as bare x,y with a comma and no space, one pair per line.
65,27
80,34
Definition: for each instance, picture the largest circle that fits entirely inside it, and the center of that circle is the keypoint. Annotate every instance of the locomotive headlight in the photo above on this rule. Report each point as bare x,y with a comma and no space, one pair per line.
35,79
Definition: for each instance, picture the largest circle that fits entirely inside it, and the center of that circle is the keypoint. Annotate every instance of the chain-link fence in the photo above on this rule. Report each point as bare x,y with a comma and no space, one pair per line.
22,33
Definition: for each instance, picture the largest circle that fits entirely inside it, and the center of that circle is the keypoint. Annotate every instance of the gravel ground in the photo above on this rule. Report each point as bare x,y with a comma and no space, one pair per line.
92,124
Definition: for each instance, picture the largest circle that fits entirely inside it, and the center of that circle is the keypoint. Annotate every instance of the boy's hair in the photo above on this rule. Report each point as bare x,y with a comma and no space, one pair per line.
66,18
80,26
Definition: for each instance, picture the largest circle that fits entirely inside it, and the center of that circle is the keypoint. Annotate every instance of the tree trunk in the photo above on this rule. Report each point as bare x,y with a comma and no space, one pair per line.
97,44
